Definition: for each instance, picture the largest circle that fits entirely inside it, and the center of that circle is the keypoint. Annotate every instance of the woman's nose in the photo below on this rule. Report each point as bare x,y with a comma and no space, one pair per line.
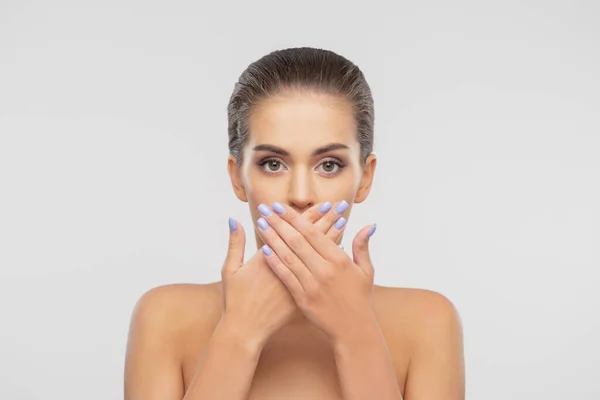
301,193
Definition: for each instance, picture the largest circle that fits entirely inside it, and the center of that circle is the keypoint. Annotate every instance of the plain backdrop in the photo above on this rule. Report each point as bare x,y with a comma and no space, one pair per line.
113,148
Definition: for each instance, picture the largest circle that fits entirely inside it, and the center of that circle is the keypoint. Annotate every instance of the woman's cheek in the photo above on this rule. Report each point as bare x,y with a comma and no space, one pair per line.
338,188
263,189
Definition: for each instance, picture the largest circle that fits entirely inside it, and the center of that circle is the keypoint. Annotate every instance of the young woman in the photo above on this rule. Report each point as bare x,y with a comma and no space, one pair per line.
301,319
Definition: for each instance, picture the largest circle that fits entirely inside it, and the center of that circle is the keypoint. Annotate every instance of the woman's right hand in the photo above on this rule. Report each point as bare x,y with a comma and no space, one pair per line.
256,303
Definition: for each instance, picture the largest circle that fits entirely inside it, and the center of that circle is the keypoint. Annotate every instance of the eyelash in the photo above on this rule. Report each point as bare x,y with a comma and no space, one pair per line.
335,161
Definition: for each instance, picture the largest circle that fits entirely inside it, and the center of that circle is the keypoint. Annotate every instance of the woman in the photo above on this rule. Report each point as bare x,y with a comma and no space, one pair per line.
300,319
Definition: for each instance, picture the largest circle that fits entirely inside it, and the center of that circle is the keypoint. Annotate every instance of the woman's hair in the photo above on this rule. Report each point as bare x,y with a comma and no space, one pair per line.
300,68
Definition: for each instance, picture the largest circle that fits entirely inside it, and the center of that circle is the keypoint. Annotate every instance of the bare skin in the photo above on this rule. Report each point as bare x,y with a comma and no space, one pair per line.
297,362
251,335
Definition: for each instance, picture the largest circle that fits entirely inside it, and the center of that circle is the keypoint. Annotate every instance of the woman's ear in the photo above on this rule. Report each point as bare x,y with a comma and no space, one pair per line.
236,179
367,179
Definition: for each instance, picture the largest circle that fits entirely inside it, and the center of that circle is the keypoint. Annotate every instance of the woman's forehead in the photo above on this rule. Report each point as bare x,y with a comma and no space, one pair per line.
314,120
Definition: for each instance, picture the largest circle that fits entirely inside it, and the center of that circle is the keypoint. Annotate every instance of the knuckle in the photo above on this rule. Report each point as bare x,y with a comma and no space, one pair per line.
302,300
283,272
225,269
334,234
326,277
231,244
371,273
310,215
312,230
322,227
288,258
341,258
293,216
296,241
311,294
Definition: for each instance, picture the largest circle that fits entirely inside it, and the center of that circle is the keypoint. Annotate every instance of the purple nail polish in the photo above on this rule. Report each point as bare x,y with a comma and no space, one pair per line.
267,250
264,210
372,231
279,208
232,224
341,207
325,207
264,225
339,224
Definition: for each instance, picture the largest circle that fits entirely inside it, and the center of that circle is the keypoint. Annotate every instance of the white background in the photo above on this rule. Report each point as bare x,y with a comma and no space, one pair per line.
113,149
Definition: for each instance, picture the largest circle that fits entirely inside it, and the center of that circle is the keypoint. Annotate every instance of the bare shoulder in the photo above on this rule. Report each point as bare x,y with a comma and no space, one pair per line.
414,303
173,311
416,316
425,336
162,323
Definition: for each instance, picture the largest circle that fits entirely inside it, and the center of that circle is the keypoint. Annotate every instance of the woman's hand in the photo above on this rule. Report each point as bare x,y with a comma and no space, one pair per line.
332,290
256,303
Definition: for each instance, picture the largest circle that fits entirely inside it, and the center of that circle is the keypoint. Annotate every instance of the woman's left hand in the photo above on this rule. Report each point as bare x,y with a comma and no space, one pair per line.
332,290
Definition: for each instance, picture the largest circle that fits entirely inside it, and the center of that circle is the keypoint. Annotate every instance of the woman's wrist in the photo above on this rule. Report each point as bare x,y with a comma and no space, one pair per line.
238,334
364,335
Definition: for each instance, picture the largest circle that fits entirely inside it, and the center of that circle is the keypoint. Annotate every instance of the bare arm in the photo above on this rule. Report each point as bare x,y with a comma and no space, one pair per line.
365,366
152,368
227,365
436,370
153,362
437,367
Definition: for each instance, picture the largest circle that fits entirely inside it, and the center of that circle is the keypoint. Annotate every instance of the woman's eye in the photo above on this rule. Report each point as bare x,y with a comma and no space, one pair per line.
272,165
330,166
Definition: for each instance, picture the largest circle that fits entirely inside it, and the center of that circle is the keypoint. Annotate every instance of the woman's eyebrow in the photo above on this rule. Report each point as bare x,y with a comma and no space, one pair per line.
285,153
329,147
271,148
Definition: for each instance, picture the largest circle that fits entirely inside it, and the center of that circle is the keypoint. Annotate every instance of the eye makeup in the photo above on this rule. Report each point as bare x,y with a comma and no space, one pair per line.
274,165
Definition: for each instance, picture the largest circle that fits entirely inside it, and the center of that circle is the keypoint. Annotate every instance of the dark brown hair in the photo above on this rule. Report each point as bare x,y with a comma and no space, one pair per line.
300,68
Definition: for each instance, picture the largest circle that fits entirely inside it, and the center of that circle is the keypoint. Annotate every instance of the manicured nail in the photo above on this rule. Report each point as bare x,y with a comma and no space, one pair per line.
232,224
264,225
341,207
264,210
325,207
341,246
267,250
339,224
279,208
372,231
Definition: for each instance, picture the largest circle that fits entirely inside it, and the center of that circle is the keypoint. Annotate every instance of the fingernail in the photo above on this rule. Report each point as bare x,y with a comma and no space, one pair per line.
341,207
279,208
341,246
264,225
264,210
339,224
232,225
325,207
372,231
267,250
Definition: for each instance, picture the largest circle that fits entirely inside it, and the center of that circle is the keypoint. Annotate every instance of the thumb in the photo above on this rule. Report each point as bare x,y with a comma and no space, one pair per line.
360,249
236,248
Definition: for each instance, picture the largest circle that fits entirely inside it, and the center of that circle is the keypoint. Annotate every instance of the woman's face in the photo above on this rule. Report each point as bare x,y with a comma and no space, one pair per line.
302,151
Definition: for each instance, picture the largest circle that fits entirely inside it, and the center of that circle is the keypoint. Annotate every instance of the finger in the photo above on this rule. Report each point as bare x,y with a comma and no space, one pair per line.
285,275
336,231
360,249
304,238
331,217
291,236
235,250
316,212
289,258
